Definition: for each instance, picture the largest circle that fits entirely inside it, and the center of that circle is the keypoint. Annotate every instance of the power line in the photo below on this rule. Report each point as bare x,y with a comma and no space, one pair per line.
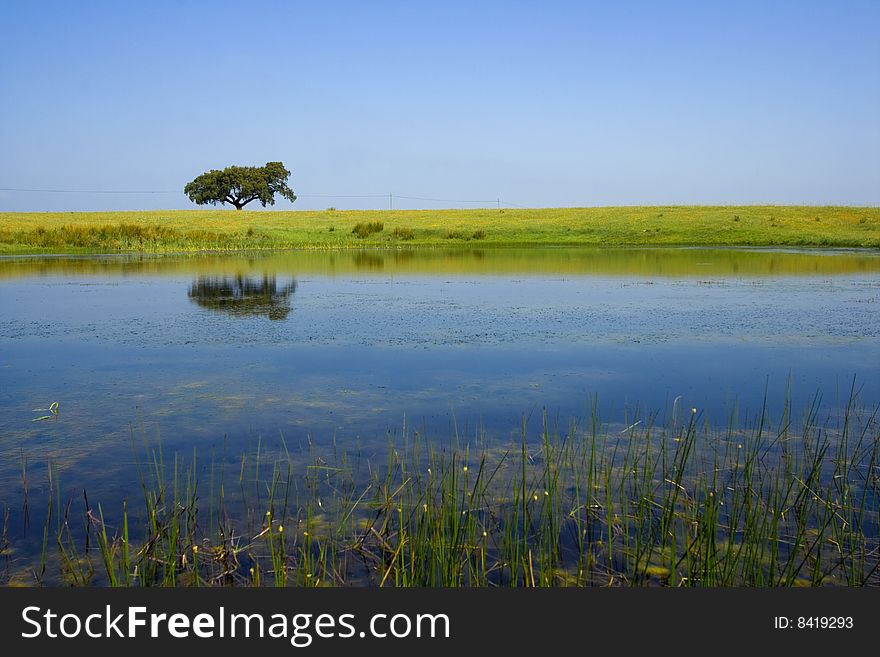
90,191
441,200
164,191
499,202
342,196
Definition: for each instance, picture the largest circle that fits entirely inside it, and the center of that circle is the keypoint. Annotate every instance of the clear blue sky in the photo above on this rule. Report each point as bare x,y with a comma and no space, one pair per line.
539,103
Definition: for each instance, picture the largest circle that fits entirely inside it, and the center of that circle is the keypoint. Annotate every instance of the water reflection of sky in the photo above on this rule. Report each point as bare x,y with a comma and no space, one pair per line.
213,356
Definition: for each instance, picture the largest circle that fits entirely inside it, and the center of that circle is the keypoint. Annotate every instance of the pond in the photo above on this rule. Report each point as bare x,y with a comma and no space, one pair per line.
224,352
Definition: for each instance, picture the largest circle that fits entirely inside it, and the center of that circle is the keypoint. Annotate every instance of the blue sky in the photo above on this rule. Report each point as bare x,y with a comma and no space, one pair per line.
539,104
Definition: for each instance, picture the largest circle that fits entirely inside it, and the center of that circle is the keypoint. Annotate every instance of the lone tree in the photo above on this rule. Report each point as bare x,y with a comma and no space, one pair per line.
241,185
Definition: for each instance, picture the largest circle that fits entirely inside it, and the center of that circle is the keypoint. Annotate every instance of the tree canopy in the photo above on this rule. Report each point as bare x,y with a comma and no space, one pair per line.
241,185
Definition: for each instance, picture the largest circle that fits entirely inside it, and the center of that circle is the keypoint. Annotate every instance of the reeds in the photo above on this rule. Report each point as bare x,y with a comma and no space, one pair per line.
403,233
367,228
130,237
678,504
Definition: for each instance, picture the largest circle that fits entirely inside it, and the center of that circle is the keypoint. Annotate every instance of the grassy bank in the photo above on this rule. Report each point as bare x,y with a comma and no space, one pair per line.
199,230
681,504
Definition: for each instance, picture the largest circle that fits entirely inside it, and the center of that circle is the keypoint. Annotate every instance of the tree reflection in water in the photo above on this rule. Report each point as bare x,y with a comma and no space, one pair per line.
244,296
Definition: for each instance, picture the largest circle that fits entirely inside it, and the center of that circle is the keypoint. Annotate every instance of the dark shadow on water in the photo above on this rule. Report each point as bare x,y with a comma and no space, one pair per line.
244,296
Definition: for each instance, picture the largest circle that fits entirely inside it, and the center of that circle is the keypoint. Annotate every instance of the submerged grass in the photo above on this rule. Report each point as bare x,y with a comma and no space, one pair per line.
226,230
682,504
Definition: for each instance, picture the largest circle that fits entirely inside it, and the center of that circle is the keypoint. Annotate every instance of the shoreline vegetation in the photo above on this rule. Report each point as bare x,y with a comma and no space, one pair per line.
775,503
174,231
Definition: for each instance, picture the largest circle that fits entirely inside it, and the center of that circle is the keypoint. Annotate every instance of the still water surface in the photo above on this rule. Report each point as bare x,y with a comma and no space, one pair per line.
225,350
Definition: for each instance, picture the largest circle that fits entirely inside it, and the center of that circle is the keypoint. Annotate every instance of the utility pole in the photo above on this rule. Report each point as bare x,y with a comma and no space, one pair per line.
390,201
499,203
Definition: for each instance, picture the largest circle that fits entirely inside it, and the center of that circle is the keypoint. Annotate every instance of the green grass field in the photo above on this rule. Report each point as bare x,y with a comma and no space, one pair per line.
204,230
